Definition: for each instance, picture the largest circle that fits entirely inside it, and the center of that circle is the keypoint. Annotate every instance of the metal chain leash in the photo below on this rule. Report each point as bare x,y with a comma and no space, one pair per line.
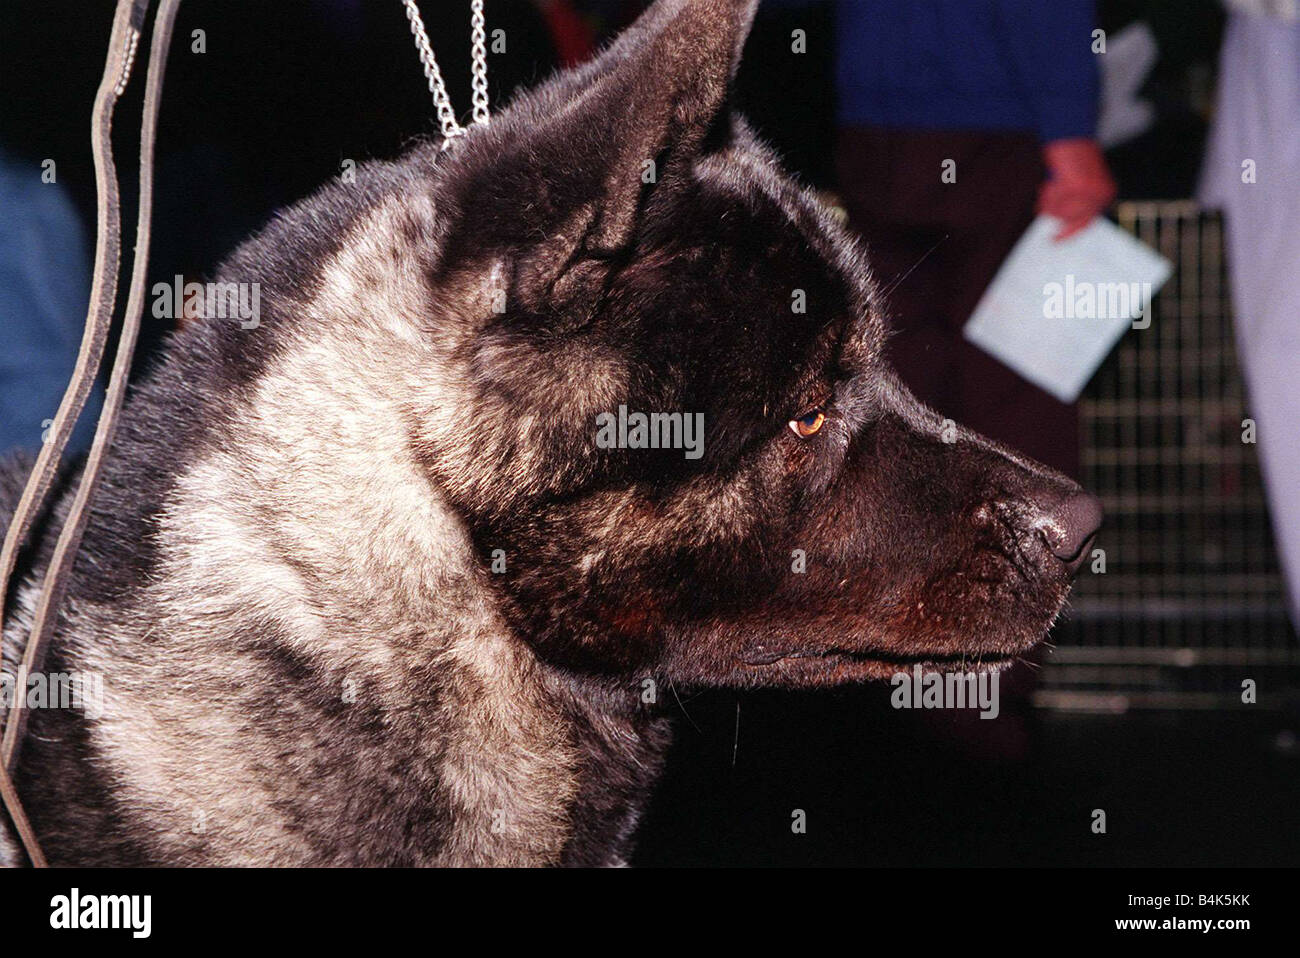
441,100
478,36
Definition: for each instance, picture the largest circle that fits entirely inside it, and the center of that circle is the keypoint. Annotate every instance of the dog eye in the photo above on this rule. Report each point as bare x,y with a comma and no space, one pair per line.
807,424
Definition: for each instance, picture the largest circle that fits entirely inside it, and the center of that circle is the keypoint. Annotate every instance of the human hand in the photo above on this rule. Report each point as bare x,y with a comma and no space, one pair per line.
1079,186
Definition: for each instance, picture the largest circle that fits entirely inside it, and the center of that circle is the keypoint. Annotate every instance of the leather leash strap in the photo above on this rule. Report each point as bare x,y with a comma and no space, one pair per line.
128,22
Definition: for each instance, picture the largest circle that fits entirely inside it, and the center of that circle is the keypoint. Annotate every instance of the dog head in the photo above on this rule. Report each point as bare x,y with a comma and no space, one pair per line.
680,449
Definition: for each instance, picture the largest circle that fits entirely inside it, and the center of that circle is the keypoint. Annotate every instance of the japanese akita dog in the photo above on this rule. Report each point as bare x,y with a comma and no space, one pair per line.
403,573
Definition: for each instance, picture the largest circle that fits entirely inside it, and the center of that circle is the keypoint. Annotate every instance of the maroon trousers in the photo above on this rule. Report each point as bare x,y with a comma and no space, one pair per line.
934,246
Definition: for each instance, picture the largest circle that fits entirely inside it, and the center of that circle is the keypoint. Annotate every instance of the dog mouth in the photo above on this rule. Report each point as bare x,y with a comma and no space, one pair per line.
875,659
1014,605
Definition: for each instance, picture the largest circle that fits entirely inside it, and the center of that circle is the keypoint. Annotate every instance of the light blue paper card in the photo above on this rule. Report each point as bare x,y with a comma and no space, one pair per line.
1055,310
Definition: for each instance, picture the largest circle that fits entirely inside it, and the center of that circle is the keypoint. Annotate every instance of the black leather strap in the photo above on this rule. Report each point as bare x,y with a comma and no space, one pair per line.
128,22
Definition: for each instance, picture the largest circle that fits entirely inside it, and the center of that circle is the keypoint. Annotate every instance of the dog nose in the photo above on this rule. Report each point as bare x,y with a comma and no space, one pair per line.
1069,524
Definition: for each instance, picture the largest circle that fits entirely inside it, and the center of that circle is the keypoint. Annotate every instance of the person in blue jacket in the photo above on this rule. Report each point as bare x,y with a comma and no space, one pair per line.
44,290
958,120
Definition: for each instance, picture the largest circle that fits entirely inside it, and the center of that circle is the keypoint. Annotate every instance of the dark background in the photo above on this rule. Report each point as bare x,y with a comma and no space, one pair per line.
287,90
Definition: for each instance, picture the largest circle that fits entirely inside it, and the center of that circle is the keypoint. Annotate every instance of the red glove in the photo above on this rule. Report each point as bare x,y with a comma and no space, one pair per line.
1078,185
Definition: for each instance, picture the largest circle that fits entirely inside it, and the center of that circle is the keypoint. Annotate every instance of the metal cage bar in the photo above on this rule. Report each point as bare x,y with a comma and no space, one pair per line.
1191,602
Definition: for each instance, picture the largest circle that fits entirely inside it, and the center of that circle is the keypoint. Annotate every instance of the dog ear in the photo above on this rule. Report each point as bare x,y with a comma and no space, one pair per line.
568,172
655,96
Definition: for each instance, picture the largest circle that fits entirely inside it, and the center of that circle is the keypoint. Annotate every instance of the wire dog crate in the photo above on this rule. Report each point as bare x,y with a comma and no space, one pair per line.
1191,602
